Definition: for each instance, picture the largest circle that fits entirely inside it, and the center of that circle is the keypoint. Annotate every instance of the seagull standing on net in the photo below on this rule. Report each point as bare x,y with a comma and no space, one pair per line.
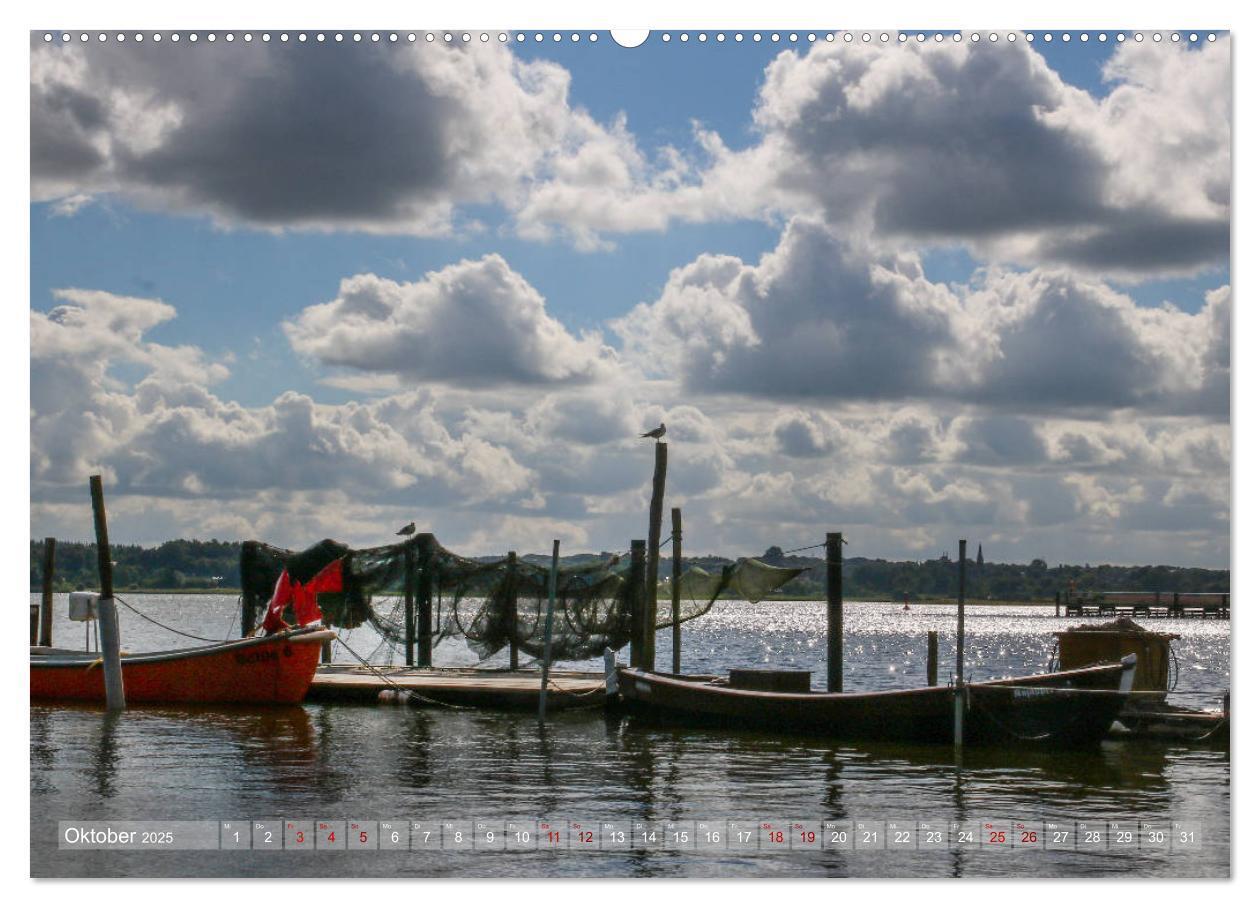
408,530
655,433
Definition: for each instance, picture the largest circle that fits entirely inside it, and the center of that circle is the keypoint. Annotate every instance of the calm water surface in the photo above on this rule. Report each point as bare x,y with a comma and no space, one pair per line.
370,762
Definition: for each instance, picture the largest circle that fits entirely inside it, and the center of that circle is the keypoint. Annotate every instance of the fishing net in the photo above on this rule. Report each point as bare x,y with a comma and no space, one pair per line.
492,604
747,579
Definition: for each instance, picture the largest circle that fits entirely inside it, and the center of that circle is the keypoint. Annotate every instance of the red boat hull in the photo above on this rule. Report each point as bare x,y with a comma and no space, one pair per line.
275,669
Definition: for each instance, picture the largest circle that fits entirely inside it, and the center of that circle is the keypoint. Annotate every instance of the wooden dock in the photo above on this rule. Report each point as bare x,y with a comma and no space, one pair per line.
457,687
1148,605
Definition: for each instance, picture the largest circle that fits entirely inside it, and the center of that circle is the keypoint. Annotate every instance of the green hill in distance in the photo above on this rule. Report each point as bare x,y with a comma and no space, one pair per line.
193,565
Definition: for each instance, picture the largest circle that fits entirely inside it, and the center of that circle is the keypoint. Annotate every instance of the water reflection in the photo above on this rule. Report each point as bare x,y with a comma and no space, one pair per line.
397,762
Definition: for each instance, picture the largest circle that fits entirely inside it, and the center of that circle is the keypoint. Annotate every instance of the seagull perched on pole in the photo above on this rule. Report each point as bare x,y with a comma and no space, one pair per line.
655,433
408,530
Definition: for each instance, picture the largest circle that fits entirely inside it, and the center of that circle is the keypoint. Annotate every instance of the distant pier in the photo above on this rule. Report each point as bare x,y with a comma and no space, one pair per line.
1145,605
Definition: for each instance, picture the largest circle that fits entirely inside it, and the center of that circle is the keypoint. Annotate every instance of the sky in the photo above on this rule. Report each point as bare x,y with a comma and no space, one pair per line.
914,291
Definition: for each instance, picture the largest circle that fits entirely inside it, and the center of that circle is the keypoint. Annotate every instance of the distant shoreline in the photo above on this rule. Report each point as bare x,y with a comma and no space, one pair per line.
223,591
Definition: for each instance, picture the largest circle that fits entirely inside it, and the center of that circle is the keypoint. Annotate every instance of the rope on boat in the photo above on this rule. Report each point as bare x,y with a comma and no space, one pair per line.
167,627
240,604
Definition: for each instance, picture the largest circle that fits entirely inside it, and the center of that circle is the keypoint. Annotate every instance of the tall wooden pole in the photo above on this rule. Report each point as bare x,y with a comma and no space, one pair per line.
409,603
106,610
249,612
835,613
46,593
654,553
551,611
249,601
514,656
636,595
675,588
933,651
960,689
424,616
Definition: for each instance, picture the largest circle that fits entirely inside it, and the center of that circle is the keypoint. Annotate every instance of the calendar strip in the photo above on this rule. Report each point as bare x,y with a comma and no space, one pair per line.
644,835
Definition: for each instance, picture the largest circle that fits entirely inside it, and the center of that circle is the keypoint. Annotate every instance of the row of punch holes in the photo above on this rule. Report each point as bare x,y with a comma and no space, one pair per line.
663,37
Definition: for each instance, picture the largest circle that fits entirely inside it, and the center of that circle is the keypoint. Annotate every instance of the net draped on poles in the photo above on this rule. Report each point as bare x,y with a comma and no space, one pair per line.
492,603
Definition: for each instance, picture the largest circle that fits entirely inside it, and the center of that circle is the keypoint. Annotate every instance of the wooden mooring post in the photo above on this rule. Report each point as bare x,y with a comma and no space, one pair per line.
551,611
835,613
960,690
933,650
675,588
637,594
409,604
654,552
1056,603
106,610
514,657
249,601
424,603
46,592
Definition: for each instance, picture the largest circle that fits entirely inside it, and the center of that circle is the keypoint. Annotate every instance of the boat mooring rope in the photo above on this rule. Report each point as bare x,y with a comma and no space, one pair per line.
410,694
166,627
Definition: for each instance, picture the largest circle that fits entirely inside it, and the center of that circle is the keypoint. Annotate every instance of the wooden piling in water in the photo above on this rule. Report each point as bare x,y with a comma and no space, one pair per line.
249,612
835,613
514,656
551,611
424,603
636,595
106,610
654,552
46,592
409,604
960,691
1056,603
249,601
933,644
675,588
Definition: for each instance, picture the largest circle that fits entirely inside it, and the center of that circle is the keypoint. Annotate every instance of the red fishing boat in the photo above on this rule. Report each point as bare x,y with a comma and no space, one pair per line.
272,669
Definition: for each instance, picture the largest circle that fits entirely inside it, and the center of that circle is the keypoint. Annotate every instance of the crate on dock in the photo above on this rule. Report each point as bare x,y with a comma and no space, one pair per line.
1088,644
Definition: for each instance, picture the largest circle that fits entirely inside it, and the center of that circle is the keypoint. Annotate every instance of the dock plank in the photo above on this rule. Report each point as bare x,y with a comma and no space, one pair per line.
489,689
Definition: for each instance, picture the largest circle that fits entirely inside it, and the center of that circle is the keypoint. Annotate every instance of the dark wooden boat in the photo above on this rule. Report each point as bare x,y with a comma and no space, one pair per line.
1071,708
272,669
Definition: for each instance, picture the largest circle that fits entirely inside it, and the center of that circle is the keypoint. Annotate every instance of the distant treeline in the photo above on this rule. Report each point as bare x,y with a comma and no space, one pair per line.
192,564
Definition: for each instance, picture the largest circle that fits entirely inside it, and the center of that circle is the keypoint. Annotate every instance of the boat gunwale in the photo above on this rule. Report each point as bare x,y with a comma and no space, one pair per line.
817,697
74,659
